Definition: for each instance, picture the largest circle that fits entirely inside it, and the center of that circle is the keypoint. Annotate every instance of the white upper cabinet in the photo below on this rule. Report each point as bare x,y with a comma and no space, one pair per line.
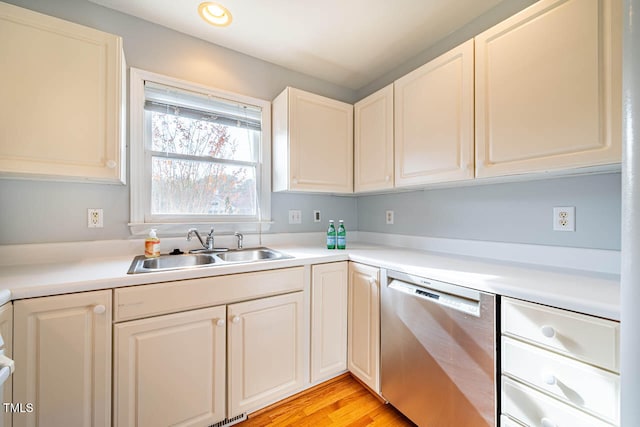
373,142
312,143
61,114
434,120
548,89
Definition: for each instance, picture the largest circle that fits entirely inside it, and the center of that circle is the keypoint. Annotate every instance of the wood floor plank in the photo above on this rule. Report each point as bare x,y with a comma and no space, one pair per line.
343,402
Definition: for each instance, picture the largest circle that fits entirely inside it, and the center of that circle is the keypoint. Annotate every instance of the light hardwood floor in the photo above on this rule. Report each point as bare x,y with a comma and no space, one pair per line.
340,402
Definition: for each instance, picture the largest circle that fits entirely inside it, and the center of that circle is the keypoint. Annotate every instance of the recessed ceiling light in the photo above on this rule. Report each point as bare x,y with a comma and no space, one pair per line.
215,14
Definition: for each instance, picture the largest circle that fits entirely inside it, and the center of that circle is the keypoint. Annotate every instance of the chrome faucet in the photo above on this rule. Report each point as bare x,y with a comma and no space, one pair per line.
207,243
240,238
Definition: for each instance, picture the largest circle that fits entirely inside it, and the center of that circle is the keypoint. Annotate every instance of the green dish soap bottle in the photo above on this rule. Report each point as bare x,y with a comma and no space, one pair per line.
342,236
331,236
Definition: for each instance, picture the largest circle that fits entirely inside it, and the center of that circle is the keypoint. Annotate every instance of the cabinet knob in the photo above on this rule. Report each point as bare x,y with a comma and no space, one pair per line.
99,309
548,331
550,379
547,422
111,164
294,180
220,322
387,178
235,319
372,281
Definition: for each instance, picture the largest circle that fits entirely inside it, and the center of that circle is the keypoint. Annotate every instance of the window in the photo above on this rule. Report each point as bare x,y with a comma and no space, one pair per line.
198,155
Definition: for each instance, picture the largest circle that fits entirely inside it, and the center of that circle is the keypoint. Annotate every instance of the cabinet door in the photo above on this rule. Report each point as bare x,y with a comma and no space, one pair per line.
62,348
313,144
6,330
364,324
434,120
62,101
266,351
373,141
328,320
170,370
548,88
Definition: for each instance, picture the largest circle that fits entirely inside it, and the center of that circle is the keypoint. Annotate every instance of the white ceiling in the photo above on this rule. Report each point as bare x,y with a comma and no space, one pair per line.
346,42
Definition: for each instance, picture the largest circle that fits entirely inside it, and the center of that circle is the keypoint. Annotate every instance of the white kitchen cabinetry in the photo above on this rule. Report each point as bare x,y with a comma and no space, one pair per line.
6,330
373,142
434,120
62,350
312,143
170,370
62,99
233,343
364,324
266,351
548,89
328,320
559,367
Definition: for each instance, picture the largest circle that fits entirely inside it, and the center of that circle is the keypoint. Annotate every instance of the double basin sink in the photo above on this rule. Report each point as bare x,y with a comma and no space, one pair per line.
141,264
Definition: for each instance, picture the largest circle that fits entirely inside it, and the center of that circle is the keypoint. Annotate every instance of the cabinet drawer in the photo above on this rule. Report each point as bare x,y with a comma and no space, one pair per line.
587,387
533,408
162,298
590,339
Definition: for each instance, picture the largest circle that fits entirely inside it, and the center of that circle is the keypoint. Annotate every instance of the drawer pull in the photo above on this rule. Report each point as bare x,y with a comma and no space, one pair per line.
235,319
548,331
99,309
546,422
550,379
220,322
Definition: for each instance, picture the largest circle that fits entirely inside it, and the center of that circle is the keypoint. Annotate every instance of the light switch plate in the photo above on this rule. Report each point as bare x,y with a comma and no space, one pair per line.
295,216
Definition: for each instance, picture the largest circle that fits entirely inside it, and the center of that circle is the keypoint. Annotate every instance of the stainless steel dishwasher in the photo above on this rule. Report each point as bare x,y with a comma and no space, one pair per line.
438,351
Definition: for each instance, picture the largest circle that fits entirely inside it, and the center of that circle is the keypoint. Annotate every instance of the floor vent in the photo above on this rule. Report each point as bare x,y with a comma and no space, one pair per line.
230,421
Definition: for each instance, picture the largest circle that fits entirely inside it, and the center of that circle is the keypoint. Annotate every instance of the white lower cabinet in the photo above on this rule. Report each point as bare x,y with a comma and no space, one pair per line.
197,352
62,350
170,370
266,351
6,330
328,320
558,367
364,324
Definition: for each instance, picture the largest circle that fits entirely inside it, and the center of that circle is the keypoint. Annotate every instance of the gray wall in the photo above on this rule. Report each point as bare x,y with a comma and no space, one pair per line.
37,211
512,212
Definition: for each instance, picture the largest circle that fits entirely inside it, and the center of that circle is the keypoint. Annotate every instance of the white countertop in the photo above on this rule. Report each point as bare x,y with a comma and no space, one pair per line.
586,292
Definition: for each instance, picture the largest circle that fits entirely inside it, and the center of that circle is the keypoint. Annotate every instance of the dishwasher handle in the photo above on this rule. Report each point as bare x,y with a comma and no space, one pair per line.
444,299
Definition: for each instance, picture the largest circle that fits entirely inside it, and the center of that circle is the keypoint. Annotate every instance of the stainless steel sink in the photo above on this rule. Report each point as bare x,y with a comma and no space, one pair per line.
251,255
141,264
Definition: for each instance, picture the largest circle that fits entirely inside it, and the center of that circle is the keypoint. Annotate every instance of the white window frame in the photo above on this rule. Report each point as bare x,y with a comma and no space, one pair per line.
140,182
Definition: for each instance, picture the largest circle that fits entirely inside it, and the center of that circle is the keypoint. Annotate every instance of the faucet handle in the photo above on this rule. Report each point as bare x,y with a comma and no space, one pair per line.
211,232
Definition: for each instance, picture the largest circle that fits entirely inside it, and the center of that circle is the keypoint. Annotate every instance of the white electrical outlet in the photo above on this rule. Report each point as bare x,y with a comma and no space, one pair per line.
564,218
94,218
389,217
316,216
295,217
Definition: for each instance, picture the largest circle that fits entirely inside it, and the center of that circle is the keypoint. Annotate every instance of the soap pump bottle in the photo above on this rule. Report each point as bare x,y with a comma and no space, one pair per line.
152,245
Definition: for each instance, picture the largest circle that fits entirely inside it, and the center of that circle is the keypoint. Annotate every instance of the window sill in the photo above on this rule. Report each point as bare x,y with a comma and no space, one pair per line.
177,229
